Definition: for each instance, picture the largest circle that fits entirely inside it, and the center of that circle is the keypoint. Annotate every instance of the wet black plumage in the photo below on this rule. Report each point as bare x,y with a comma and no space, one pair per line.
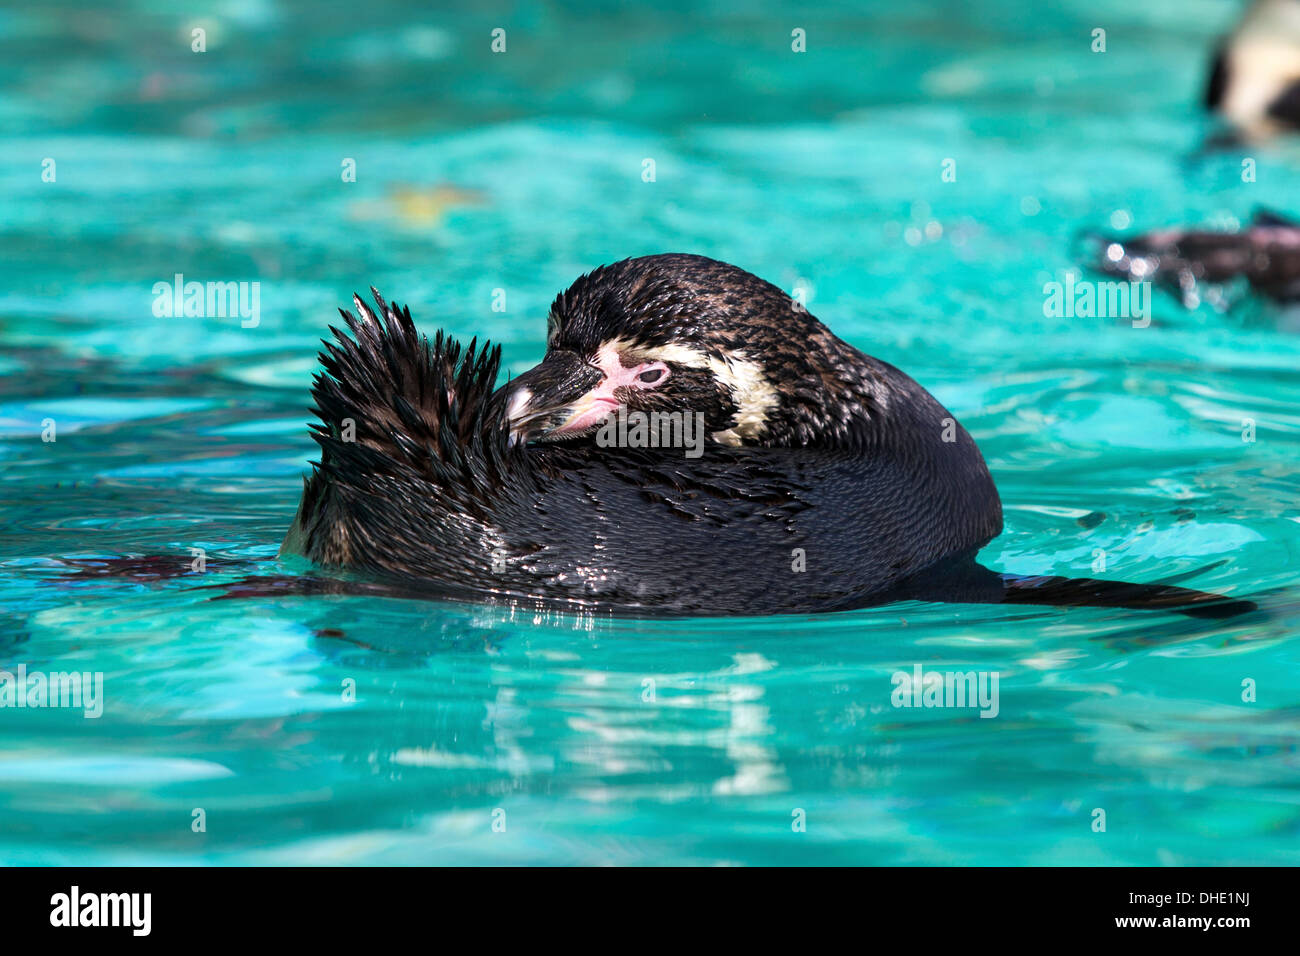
858,487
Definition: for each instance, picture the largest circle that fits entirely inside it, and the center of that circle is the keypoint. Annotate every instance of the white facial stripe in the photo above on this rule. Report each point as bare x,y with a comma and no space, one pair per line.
607,358
750,390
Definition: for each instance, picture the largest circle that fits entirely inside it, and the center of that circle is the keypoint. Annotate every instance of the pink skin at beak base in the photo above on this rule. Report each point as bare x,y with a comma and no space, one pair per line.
594,407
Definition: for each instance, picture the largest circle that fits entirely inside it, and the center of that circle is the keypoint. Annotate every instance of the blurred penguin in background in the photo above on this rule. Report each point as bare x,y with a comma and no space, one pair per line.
1255,79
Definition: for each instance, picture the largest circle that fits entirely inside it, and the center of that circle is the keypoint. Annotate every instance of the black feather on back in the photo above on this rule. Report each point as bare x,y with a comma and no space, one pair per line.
414,400
397,412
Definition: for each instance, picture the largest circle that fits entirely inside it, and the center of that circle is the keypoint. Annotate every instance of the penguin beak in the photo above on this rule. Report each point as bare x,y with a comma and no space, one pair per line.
562,396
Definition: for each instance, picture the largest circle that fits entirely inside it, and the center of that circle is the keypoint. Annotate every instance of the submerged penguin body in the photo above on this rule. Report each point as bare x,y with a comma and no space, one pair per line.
436,488
827,480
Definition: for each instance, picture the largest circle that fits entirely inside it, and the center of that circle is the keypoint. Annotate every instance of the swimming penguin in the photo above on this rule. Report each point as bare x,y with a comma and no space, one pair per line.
1199,264
791,472
1254,80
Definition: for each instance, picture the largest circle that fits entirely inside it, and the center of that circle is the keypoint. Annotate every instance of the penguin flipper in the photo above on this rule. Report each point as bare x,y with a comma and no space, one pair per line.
1096,592
968,582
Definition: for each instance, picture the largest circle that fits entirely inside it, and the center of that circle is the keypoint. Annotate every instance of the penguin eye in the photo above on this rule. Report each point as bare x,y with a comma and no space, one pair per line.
653,374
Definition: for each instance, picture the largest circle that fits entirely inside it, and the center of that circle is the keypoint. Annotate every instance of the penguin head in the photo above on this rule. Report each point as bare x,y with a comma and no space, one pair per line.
683,333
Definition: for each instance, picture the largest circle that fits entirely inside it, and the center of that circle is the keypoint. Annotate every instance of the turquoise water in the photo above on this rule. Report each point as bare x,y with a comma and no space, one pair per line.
519,171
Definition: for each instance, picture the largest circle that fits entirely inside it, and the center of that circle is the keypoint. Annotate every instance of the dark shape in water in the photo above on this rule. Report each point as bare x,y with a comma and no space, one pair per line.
1266,254
147,567
828,480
